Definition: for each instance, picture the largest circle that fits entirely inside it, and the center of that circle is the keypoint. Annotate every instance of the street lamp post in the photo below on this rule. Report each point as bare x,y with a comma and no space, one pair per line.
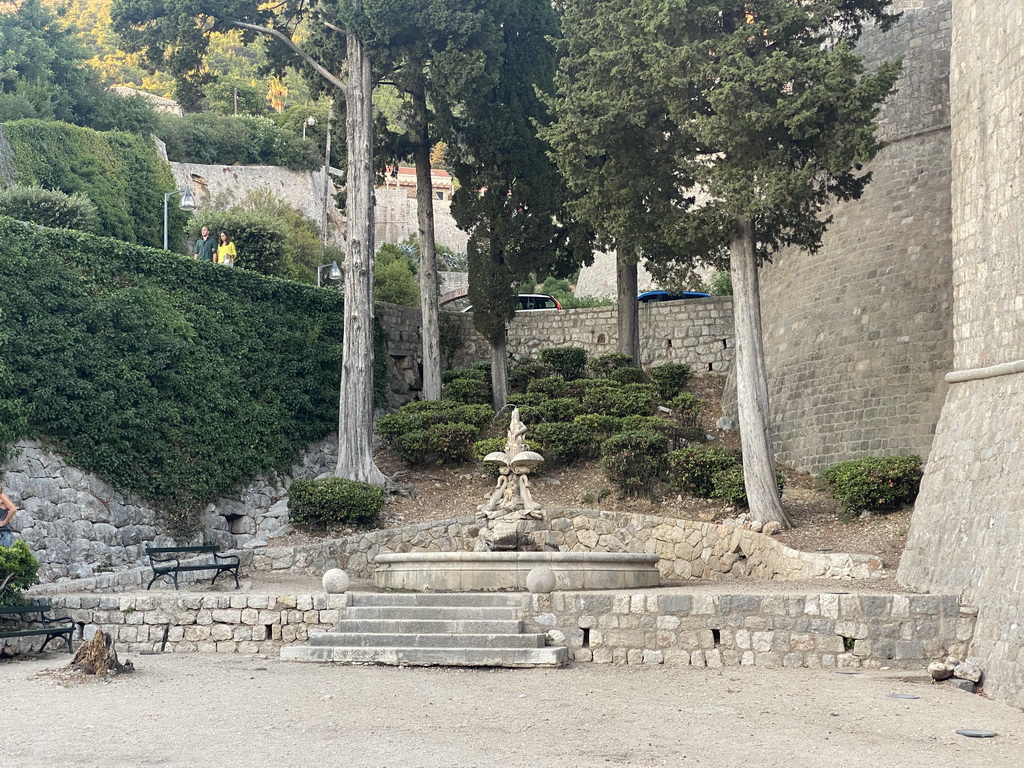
309,121
188,203
333,274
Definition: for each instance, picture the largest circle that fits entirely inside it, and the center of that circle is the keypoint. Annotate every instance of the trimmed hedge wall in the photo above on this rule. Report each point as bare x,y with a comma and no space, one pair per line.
120,172
175,380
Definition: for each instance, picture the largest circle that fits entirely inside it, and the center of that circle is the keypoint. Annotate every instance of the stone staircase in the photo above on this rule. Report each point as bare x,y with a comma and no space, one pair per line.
463,629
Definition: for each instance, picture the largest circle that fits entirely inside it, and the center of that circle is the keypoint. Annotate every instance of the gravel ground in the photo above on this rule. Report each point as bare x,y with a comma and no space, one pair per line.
205,709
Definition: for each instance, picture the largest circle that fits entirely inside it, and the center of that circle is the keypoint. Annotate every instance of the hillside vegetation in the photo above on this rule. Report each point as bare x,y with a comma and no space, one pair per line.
175,380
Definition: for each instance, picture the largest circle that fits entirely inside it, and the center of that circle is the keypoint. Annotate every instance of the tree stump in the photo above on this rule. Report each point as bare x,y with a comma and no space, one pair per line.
98,657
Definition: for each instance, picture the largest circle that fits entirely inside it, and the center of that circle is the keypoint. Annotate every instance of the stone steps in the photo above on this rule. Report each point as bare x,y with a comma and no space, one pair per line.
457,630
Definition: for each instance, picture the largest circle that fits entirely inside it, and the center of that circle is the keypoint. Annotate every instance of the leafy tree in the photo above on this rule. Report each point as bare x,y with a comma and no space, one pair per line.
766,116
619,150
44,75
394,276
511,198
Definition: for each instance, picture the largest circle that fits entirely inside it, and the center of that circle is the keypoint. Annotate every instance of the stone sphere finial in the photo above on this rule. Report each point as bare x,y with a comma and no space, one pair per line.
336,581
540,580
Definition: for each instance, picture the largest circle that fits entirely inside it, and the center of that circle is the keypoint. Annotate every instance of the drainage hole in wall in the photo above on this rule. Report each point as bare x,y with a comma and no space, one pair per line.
848,643
725,343
668,343
717,637
586,637
268,633
711,366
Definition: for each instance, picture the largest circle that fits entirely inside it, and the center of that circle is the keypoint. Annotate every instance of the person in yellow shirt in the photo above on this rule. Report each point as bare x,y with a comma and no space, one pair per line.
225,250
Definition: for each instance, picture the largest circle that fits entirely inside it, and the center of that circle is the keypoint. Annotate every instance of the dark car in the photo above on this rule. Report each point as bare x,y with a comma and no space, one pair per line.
649,296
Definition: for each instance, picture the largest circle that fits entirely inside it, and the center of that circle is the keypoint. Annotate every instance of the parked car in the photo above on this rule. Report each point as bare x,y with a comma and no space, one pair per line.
649,296
532,302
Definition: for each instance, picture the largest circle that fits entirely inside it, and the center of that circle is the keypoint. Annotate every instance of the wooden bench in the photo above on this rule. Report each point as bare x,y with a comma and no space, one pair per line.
166,561
36,614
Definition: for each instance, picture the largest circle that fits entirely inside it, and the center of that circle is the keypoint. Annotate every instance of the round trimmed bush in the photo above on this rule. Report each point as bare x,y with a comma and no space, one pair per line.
19,570
550,386
603,366
521,373
626,400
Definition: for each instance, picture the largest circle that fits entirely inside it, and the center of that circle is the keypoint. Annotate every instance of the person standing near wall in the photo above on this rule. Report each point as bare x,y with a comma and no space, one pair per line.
226,250
7,510
203,250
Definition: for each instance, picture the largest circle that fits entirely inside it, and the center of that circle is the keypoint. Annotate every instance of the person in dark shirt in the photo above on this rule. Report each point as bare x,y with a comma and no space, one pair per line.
205,246
7,510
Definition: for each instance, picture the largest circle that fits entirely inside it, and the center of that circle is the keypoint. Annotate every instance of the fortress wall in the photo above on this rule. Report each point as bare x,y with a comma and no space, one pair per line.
858,336
966,530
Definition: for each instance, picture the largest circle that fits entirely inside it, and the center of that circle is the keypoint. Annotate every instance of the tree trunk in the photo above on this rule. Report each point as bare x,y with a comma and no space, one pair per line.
628,310
355,417
429,309
752,383
499,370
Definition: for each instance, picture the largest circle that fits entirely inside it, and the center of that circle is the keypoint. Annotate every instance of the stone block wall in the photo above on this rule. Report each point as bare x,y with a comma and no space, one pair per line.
966,531
208,623
782,630
858,336
698,332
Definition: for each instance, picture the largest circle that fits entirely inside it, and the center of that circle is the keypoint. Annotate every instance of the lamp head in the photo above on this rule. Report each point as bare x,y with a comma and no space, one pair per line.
188,200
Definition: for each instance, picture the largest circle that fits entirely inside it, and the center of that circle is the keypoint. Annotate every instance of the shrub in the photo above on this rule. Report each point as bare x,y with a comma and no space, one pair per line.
567,361
602,366
120,173
261,240
671,378
488,445
576,440
692,469
333,501
559,409
629,376
720,284
626,400
212,139
463,373
874,483
469,391
672,430
634,461
449,442
520,374
425,413
527,399
549,386
687,408
394,277
581,387
728,485
18,570
50,208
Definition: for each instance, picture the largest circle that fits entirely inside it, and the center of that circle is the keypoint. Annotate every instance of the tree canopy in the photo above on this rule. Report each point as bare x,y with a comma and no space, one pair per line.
744,122
43,75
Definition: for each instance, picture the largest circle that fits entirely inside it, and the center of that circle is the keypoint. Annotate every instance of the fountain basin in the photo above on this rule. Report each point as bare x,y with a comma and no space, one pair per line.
491,571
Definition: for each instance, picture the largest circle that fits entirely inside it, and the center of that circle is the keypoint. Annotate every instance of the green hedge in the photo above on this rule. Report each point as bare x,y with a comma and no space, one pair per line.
175,380
120,173
209,138
333,501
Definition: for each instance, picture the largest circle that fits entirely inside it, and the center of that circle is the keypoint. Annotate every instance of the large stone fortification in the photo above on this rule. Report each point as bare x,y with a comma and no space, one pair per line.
966,531
858,336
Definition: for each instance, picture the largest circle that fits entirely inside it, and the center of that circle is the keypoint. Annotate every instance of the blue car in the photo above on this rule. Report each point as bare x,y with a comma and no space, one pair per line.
648,296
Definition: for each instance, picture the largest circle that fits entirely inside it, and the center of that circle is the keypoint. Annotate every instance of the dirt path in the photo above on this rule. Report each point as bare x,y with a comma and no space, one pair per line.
200,709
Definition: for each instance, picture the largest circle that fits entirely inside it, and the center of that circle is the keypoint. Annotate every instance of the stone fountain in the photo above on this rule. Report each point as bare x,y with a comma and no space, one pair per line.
514,540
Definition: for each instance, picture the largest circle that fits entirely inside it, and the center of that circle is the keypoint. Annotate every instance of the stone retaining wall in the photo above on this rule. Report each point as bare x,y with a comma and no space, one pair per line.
728,630
637,627
77,524
211,623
